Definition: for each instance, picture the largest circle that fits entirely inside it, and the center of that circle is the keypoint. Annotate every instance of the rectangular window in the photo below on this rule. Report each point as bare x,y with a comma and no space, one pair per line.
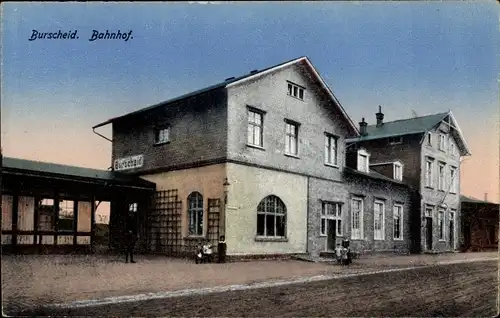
356,219
453,150
442,142
398,221
452,226
398,171
442,177
395,140
379,220
331,211
429,139
162,135
66,215
46,215
296,91
453,180
255,128
291,138
429,177
363,159
441,225
331,149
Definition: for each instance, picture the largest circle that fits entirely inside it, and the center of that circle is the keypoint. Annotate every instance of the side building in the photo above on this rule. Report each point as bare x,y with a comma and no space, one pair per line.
427,152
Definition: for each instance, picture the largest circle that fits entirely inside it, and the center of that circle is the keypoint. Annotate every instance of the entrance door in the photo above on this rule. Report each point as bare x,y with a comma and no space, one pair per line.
428,233
451,232
332,235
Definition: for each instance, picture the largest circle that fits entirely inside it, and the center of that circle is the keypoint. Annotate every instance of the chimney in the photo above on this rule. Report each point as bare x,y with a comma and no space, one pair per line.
485,196
380,116
362,127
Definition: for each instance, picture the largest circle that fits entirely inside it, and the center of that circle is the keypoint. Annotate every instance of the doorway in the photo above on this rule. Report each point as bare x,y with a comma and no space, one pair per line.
332,235
428,233
451,234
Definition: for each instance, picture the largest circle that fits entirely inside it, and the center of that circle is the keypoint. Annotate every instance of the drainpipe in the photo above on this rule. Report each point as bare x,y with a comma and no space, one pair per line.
98,134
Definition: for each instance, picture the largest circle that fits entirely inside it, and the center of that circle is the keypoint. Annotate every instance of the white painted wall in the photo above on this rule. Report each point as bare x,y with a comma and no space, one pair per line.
249,185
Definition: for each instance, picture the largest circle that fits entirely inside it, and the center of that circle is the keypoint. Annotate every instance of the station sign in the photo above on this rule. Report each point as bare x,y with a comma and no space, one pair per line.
128,163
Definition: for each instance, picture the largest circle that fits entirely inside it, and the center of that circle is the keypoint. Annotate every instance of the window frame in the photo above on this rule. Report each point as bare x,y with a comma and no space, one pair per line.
157,133
336,216
429,172
253,124
453,179
452,216
289,137
366,167
429,139
357,233
193,230
295,90
396,165
395,140
442,142
265,235
401,221
441,176
328,149
441,224
381,231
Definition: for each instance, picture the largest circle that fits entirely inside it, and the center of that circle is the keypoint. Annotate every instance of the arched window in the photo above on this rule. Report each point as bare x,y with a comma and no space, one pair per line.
195,213
271,217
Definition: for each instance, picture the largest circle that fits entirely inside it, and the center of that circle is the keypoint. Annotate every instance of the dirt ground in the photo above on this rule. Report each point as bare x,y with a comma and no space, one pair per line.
37,280
466,290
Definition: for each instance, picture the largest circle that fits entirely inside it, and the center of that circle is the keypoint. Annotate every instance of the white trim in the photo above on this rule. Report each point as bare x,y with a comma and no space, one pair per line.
401,221
386,163
441,181
454,211
467,151
364,153
324,216
361,223
322,82
400,165
430,179
382,224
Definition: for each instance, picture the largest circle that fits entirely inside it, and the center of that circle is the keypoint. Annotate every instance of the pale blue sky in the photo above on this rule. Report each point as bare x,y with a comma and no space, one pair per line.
428,57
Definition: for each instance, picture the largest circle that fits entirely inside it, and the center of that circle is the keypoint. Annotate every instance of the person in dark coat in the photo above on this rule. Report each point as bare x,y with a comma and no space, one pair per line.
130,239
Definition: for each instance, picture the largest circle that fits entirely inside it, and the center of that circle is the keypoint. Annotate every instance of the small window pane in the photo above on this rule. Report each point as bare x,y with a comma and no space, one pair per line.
270,220
261,224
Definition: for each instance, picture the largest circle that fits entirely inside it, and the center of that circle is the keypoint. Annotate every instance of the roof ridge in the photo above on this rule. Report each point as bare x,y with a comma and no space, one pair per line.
50,163
412,118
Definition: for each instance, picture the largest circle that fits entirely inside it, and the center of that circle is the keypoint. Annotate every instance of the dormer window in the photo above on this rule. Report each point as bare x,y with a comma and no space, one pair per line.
162,135
398,171
395,140
296,91
363,160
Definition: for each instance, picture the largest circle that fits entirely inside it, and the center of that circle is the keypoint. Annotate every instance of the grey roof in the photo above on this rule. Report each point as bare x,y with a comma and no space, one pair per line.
402,127
195,93
372,174
467,199
69,172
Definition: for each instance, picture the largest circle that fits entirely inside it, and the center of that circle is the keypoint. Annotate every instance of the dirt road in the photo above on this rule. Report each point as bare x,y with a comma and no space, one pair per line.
467,289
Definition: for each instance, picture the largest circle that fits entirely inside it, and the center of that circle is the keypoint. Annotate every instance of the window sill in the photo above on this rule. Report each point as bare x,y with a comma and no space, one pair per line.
297,98
442,240
429,187
270,239
157,144
256,147
398,239
331,165
194,237
441,190
452,192
292,156
356,239
379,239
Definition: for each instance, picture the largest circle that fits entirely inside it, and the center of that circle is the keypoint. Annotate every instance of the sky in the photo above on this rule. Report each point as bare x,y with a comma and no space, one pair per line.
423,57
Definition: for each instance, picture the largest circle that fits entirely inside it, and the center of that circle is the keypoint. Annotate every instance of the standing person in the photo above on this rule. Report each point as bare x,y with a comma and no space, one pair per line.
207,251
222,249
130,238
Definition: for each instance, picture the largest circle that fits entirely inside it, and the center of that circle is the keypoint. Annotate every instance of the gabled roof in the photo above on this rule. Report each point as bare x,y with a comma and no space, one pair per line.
467,199
411,126
246,77
38,168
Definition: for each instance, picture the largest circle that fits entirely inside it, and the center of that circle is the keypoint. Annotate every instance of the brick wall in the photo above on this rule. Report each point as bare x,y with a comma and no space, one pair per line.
198,133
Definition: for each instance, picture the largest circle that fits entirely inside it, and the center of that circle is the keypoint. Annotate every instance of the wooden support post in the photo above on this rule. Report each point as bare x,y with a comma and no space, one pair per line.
36,237
75,222
56,214
92,223
15,211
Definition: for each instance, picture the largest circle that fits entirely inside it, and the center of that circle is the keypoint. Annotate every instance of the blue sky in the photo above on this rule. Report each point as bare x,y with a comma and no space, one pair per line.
428,57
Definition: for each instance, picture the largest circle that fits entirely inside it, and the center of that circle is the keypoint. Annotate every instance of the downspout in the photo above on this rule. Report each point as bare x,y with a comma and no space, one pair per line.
98,134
